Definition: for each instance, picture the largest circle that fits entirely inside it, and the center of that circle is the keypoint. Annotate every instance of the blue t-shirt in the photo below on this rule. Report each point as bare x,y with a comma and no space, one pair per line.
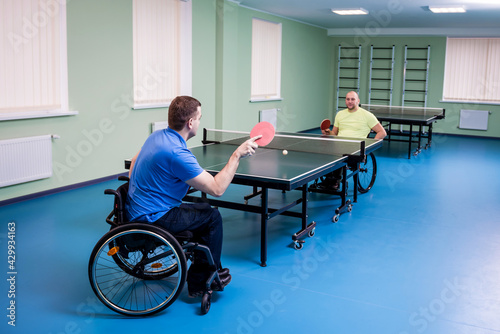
158,180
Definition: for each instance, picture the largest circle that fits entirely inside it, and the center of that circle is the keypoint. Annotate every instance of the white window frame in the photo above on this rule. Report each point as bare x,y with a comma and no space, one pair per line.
266,61
23,26
151,74
472,70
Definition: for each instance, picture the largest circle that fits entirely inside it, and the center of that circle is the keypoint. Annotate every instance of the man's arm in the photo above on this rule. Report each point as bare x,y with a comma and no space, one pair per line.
335,131
132,163
380,131
217,185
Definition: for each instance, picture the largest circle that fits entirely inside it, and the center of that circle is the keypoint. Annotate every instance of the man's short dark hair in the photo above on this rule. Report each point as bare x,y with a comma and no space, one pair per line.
181,109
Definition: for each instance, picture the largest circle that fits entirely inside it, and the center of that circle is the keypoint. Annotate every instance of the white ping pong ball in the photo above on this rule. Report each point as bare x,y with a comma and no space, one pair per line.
285,152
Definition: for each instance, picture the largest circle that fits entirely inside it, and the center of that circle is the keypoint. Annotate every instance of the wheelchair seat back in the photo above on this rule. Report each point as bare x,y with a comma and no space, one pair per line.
118,215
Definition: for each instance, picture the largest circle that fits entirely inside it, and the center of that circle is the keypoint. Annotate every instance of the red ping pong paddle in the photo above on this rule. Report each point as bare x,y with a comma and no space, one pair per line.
325,125
265,129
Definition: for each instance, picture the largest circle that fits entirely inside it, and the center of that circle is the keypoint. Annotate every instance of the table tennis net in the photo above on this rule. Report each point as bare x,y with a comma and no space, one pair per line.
291,142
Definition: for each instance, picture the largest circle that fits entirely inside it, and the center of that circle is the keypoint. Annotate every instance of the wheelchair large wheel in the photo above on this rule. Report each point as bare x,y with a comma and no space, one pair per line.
367,173
137,269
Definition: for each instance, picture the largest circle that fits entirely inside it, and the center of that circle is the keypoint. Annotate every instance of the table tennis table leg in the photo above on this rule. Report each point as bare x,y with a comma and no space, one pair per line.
410,140
420,132
264,217
346,204
429,136
355,179
344,186
305,199
307,230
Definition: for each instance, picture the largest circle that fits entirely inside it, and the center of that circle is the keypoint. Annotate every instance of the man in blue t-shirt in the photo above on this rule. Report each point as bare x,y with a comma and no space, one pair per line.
160,176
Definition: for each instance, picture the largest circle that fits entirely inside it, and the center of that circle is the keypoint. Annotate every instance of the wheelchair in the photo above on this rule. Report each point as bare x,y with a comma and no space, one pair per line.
139,269
366,175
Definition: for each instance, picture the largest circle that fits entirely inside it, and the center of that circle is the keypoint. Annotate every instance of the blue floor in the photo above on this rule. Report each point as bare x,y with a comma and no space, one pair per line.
419,253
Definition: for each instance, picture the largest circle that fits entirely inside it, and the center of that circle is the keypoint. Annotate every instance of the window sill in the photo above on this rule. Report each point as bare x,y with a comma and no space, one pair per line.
495,103
266,100
150,106
35,114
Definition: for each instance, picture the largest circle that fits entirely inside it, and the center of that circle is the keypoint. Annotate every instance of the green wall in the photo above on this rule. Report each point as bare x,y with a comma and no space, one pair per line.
105,131
436,74
95,142
305,79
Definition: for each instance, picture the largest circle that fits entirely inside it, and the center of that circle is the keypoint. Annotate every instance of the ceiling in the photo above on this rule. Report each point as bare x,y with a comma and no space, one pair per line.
389,17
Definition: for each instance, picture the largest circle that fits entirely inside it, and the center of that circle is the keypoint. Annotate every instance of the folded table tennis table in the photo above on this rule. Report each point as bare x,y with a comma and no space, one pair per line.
309,157
411,116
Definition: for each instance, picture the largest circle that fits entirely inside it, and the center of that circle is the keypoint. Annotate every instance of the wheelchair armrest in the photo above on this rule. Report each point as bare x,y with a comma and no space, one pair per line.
110,192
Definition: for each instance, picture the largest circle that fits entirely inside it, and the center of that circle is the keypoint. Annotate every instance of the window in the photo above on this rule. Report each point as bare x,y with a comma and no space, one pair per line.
266,60
162,51
472,70
33,59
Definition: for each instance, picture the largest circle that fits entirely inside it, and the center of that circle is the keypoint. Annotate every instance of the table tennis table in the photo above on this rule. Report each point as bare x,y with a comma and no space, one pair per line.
310,156
411,116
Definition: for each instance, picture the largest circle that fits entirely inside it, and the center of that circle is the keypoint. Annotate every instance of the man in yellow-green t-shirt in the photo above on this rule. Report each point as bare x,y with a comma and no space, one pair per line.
355,121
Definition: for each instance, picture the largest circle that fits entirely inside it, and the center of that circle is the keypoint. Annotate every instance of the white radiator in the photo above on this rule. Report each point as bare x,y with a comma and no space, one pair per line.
474,119
25,159
159,126
269,115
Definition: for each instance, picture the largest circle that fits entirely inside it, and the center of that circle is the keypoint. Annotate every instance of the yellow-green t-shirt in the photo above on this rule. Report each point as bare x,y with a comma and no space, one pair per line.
355,124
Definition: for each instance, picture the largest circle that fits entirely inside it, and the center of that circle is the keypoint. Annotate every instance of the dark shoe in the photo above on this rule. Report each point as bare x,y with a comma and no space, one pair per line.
223,272
329,183
224,281
195,293
197,290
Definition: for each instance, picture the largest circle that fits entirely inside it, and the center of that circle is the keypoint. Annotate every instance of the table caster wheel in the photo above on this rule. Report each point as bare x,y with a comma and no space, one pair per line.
311,232
335,218
298,244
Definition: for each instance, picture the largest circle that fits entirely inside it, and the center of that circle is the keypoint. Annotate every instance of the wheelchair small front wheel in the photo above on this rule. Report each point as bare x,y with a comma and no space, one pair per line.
206,302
